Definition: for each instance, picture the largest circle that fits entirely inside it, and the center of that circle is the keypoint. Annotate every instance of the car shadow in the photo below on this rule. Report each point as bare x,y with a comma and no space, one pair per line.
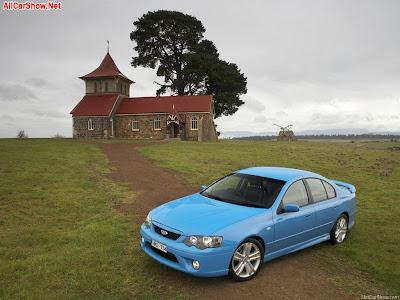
298,275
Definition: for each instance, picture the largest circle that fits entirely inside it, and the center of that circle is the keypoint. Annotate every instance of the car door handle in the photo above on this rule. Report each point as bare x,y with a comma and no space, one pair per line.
308,216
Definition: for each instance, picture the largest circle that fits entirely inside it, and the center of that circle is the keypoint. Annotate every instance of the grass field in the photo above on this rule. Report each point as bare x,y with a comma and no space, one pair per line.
60,234
373,245
367,143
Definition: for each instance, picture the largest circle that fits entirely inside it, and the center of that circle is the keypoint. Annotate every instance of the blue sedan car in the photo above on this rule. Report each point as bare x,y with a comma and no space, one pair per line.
246,218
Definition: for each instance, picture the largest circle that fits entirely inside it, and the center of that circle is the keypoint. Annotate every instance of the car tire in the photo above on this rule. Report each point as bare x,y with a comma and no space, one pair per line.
339,230
246,260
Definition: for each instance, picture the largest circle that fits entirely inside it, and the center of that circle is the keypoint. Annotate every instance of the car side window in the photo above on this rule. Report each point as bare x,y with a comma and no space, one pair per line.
296,194
317,189
329,190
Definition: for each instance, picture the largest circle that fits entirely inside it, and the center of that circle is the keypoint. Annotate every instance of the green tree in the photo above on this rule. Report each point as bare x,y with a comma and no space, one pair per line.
173,43
226,83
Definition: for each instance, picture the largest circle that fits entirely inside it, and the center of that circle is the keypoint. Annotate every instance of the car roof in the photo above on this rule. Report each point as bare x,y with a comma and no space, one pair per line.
284,174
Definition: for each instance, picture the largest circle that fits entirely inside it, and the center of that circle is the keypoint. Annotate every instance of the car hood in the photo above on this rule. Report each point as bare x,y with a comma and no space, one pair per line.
199,215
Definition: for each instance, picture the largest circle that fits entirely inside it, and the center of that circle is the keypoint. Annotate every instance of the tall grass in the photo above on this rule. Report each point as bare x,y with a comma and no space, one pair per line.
60,234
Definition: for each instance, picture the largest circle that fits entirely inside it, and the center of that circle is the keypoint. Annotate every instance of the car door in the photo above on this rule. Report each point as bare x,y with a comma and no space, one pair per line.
292,228
325,204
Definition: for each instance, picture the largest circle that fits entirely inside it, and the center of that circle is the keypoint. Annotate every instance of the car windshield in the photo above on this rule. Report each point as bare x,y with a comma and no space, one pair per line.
247,190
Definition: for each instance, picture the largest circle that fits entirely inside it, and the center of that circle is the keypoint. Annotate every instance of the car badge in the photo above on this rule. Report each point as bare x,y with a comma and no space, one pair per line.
163,232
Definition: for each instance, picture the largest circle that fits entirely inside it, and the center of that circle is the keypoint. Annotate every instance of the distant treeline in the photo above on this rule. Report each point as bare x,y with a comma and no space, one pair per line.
323,136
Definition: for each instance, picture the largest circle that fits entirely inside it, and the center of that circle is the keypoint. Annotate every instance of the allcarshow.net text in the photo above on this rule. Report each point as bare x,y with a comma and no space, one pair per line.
29,5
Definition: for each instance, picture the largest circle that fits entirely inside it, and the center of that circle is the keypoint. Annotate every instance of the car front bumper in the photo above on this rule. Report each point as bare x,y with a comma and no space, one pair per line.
213,261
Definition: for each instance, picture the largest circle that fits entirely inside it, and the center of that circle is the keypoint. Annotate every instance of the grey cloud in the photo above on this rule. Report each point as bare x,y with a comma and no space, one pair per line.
260,119
15,92
381,117
38,82
369,117
51,114
6,118
330,119
281,114
254,105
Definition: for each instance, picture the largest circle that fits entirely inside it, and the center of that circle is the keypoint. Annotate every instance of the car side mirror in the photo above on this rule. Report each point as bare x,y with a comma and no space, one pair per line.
291,208
203,187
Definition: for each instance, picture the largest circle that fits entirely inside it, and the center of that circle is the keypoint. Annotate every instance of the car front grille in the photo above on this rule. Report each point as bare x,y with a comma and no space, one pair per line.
167,255
170,235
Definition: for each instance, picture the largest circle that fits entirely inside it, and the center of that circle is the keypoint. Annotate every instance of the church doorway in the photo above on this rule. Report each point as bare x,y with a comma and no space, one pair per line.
174,130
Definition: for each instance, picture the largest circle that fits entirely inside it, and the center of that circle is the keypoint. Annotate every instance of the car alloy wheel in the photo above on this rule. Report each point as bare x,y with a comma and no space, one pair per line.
246,261
339,231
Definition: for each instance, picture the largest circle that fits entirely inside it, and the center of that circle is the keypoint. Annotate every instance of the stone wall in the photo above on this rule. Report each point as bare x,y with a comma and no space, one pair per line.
205,132
286,136
213,135
100,130
193,135
146,130
206,129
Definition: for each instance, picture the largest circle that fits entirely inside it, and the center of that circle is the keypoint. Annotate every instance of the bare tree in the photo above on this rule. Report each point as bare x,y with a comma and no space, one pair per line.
22,134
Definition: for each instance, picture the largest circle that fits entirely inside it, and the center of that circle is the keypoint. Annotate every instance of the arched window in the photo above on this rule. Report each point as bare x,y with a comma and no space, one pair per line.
194,123
135,124
157,124
95,87
90,124
106,87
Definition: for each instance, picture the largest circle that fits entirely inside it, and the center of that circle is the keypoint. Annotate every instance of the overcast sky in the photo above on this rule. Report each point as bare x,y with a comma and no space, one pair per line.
313,64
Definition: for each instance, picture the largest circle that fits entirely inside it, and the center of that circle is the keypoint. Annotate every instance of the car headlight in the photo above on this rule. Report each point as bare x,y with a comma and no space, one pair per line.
203,242
148,221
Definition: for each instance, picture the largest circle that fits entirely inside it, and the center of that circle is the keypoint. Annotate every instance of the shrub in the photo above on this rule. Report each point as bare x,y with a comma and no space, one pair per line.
58,136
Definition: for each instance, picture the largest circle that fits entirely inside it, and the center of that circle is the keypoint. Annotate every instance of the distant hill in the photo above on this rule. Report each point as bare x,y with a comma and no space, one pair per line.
356,131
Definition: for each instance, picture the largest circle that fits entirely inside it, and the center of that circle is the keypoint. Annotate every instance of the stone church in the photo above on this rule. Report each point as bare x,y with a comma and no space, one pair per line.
107,111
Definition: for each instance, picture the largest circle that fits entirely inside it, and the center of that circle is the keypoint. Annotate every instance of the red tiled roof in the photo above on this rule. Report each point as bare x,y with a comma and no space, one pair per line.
95,105
143,105
107,68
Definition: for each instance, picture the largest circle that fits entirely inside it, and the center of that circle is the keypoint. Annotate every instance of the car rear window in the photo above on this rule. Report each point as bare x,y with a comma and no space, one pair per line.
317,189
329,190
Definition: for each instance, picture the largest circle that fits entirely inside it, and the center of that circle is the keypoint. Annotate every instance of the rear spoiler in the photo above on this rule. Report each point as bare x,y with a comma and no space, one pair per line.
345,185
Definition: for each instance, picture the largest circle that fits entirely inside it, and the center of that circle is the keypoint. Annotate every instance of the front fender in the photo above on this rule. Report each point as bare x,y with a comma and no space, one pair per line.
260,225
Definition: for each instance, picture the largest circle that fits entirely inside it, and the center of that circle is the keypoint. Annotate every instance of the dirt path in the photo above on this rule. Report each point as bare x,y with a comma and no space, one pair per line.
295,276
